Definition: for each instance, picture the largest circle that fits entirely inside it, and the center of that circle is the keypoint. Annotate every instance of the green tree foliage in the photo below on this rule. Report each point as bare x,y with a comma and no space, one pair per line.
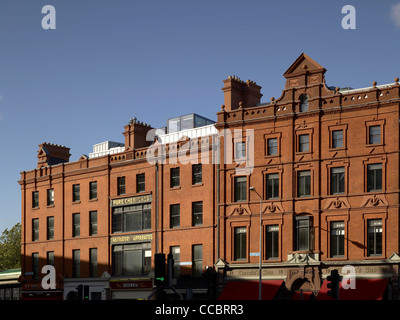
10,248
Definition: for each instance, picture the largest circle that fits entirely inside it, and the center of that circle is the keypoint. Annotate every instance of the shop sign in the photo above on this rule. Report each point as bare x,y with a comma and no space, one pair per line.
131,238
131,284
130,200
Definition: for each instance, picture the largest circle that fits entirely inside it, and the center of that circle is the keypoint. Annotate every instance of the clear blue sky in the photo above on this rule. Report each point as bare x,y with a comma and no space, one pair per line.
110,60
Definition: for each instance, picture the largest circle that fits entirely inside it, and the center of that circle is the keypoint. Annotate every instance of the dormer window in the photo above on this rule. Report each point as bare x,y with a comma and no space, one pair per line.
303,103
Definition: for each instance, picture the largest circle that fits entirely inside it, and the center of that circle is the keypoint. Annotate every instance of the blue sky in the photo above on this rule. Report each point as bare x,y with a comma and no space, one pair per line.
110,60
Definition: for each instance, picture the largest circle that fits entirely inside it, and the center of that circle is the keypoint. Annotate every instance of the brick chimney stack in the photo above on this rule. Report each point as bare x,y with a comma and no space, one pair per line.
50,154
135,134
236,90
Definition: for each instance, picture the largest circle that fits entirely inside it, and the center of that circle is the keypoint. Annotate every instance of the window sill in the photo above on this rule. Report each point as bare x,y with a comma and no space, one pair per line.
371,145
337,258
337,149
374,257
197,185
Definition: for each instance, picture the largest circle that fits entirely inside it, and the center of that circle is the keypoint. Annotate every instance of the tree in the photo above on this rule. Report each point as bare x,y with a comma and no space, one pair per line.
10,248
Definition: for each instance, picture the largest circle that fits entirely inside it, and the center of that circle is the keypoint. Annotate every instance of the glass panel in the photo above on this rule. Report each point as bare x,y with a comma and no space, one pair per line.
187,122
374,134
116,221
240,243
303,103
272,238
374,177
272,146
146,219
304,183
337,139
174,125
272,186
304,143
240,189
132,262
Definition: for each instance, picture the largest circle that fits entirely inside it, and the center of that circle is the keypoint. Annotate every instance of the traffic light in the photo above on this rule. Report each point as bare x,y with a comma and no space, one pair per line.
79,288
159,269
333,284
85,292
82,292
170,268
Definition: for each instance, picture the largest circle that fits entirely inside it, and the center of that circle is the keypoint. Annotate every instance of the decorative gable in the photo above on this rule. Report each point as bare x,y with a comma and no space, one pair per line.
303,72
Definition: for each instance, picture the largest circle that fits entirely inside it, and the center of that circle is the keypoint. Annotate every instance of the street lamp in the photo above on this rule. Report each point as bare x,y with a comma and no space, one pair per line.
260,260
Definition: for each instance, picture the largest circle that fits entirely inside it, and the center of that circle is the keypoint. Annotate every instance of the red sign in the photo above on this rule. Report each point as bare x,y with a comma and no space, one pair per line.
131,284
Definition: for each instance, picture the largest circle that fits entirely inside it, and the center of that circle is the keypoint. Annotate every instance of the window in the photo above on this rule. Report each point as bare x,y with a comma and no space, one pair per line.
272,146
197,213
50,258
240,152
240,243
272,242
374,241
121,185
76,225
374,177
337,180
175,215
35,229
303,183
240,189
93,190
140,182
76,263
272,186
50,197
93,223
303,233
131,218
175,179
93,262
303,103
197,174
35,199
337,239
76,193
35,266
50,228
304,143
197,263
337,139
131,259
176,255
374,134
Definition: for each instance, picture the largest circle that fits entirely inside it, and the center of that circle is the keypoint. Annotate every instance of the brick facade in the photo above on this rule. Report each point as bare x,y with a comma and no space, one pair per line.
325,162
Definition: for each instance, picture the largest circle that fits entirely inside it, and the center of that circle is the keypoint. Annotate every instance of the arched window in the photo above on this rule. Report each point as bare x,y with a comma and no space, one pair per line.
303,103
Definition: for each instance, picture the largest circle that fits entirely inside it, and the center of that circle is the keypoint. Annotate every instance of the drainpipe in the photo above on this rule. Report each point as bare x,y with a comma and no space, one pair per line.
218,256
156,209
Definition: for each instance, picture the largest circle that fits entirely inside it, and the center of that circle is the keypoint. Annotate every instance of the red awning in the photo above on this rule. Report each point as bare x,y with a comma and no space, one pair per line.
366,289
305,295
248,290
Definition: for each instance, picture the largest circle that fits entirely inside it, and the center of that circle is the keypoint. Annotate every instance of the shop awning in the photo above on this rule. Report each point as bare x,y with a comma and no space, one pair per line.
366,289
248,290
305,295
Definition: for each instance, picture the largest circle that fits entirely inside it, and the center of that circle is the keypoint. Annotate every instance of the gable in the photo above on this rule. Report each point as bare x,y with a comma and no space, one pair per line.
303,64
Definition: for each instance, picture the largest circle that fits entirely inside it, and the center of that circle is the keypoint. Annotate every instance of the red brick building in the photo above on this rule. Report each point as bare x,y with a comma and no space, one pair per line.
323,163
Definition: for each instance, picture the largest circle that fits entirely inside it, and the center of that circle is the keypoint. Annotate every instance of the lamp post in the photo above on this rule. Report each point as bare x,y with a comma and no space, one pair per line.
260,260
